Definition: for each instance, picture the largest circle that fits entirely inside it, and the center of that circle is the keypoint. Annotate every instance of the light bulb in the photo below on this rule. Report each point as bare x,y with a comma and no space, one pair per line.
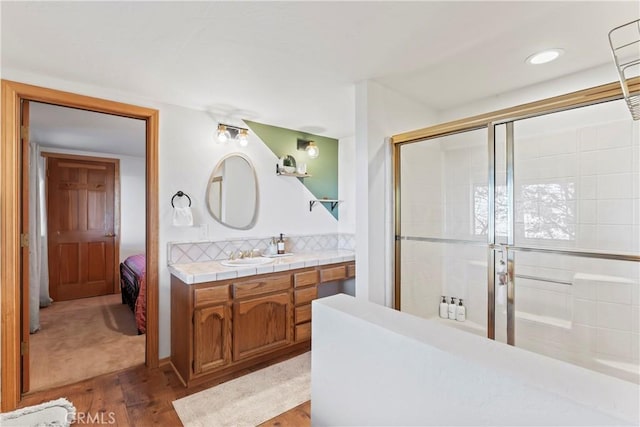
223,134
312,150
243,137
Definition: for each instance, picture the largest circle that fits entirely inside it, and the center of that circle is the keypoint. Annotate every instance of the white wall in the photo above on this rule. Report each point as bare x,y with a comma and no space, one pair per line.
347,184
187,156
380,113
132,198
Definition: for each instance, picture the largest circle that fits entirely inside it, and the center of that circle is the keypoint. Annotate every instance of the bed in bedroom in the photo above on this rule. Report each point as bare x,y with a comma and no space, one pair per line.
133,288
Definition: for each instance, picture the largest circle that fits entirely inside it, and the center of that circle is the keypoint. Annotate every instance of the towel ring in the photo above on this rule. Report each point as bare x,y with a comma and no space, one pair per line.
180,194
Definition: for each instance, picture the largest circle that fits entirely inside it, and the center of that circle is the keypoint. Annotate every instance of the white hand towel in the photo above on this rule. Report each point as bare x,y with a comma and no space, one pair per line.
182,216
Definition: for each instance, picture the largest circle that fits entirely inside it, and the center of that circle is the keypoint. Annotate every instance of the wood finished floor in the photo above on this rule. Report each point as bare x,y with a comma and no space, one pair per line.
140,396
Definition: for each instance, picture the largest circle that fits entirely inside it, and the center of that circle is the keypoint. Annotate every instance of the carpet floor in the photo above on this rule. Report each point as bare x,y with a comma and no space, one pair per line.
81,339
250,399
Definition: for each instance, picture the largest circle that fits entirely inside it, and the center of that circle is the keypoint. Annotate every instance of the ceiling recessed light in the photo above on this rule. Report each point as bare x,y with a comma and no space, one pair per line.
544,56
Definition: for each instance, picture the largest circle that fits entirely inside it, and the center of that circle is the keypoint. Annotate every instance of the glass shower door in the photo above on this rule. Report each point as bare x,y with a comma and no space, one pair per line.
573,257
443,227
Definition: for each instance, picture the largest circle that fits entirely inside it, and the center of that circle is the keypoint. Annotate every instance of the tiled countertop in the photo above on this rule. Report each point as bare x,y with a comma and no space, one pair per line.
209,271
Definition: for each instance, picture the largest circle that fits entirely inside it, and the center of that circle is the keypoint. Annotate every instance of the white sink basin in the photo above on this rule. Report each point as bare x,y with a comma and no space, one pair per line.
246,262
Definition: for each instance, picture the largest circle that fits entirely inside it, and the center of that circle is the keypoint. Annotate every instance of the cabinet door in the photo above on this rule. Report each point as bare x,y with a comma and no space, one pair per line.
261,324
212,338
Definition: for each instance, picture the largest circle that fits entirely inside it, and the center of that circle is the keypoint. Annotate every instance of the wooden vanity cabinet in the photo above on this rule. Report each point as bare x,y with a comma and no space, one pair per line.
211,338
228,325
262,313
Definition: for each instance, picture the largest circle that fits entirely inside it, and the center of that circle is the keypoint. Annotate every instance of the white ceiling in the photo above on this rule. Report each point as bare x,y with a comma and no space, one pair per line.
70,128
293,64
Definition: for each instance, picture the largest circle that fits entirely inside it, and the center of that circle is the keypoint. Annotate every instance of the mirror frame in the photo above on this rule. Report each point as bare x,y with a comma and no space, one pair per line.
254,219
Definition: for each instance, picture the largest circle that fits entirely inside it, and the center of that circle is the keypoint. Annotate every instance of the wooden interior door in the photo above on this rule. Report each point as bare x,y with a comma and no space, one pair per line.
24,247
81,222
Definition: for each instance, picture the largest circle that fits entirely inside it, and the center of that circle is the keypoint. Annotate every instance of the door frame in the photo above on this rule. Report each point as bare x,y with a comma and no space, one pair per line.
116,202
10,209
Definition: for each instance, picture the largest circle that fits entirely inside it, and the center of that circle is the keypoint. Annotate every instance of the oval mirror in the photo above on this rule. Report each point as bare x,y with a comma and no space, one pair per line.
232,192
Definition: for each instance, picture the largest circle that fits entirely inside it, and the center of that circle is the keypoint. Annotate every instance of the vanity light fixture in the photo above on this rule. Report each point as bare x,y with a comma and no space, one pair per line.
310,147
544,56
227,132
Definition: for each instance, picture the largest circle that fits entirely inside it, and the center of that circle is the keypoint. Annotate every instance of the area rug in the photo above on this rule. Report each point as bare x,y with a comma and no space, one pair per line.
56,413
250,399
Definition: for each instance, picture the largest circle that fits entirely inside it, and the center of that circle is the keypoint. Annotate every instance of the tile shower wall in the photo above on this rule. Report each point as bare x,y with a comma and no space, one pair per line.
186,252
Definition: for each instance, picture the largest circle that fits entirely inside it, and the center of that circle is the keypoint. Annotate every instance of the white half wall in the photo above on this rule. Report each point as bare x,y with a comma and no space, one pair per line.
380,113
372,365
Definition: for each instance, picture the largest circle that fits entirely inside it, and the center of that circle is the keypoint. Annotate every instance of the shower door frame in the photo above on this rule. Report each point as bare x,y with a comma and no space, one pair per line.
583,98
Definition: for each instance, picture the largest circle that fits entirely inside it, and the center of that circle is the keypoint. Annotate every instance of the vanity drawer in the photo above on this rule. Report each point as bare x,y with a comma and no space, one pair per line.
305,278
262,286
303,332
213,295
303,313
351,270
303,296
333,273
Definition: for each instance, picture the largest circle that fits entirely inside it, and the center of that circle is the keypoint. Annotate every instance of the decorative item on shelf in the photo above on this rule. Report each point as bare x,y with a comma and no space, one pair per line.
334,203
289,163
310,147
228,132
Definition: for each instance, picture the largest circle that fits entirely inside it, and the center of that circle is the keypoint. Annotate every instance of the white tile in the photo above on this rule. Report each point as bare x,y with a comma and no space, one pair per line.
230,274
587,212
615,186
588,163
243,272
614,316
588,139
587,236
618,160
588,187
281,267
616,134
615,237
263,269
582,338
584,312
635,347
311,263
584,289
615,211
635,319
613,342
620,293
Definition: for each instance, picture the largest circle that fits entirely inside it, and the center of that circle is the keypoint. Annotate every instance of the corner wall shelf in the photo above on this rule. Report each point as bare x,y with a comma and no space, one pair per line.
333,202
281,172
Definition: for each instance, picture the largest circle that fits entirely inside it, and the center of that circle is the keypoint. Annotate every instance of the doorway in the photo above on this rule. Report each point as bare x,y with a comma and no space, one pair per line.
15,342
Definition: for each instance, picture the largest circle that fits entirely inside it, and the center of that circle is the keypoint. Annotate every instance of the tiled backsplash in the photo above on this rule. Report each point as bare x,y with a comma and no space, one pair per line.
183,252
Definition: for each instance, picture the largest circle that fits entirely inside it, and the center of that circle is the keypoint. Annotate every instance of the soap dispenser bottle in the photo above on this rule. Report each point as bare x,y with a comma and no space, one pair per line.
461,312
281,245
444,308
273,246
452,309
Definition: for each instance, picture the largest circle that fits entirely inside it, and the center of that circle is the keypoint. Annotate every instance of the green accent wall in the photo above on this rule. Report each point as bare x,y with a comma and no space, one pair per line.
323,182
